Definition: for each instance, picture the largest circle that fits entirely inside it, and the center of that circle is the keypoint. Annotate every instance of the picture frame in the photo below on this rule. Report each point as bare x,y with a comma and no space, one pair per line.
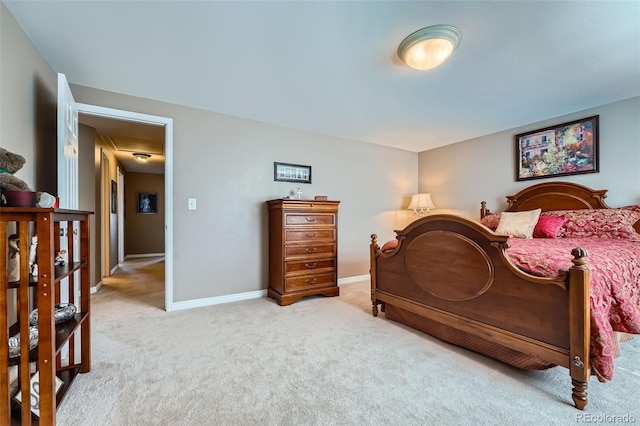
287,172
114,197
147,203
565,149
34,399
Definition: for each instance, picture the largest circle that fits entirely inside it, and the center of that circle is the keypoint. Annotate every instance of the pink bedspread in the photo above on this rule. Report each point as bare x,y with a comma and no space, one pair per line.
615,285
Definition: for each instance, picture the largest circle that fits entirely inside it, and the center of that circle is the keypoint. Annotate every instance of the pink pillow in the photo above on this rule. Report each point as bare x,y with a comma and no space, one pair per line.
599,223
548,226
491,221
389,245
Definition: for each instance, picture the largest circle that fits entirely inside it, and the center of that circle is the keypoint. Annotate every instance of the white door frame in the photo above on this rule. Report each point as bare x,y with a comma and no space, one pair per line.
105,215
120,204
118,114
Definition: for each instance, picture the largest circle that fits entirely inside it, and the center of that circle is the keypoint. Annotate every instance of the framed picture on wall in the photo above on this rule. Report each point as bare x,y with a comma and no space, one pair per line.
561,150
286,172
147,203
114,197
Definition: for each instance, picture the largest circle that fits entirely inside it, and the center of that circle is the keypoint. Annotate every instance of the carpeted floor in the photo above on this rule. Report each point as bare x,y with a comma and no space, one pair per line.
321,361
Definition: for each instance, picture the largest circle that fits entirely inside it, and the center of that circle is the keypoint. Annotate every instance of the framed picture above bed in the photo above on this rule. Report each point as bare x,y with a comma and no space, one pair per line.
561,150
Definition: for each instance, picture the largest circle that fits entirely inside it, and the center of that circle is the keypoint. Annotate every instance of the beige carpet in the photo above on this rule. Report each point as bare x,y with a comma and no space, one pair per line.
321,361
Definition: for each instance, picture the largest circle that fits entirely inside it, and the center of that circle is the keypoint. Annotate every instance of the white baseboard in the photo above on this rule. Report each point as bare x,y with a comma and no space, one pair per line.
114,269
210,301
96,287
133,256
355,279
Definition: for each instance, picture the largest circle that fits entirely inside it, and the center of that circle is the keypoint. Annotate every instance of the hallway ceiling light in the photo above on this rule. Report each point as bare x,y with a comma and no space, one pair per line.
141,157
429,47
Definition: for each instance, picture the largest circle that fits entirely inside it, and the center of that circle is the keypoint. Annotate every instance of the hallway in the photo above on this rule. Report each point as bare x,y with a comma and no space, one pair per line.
137,285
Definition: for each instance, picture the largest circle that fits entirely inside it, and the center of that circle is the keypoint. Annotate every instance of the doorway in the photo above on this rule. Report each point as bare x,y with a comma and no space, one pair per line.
120,213
167,123
105,213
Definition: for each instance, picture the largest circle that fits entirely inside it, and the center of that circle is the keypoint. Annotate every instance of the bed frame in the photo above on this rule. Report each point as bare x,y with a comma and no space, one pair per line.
451,277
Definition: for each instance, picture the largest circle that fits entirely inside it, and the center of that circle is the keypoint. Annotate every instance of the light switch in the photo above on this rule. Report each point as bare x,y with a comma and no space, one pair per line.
191,205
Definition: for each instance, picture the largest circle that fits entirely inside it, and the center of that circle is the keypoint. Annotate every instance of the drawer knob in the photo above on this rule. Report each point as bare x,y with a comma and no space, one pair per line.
310,219
308,250
311,234
311,265
313,281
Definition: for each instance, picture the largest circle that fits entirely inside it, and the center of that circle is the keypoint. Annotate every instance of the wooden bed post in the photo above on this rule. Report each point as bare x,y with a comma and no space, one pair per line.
484,211
373,248
579,327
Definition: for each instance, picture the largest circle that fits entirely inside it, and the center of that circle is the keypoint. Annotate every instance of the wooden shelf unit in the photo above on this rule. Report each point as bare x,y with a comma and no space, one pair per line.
44,292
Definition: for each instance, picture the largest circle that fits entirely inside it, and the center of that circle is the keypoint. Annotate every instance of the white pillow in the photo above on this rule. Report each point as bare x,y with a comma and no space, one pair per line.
518,224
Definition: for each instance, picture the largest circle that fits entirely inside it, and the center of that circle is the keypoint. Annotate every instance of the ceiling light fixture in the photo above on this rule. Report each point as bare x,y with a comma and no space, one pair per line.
429,47
141,157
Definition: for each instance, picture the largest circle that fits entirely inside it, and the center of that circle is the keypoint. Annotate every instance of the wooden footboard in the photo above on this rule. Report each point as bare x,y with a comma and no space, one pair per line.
456,272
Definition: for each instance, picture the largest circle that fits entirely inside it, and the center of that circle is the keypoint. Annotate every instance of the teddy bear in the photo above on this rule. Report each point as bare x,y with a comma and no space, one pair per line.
9,164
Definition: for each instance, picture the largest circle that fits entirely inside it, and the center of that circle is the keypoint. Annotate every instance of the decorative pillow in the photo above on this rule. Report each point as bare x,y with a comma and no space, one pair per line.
635,208
389,245
491,221
599,223
548,226
518,224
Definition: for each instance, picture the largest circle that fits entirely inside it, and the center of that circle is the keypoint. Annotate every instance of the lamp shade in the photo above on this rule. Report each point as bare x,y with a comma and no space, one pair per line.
420,202
429,47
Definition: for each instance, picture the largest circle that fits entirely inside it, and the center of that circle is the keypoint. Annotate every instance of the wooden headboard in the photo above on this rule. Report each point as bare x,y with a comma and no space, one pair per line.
556,196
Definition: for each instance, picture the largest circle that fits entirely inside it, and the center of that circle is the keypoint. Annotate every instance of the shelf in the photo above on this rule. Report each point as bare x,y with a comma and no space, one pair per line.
64,330
33,281
67,376
43,293
62,272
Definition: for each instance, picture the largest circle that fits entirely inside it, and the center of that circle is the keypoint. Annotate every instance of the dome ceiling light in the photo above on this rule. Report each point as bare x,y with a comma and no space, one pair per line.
429,47
141,157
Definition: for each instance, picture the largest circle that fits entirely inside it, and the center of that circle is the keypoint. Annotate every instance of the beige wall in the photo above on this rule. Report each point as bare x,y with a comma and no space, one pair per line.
226,163
143,233
459,176
28,90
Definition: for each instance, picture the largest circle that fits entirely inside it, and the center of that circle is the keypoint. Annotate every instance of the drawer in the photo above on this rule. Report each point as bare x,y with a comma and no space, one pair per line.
292,235
310,219
309,266
308,250
310,281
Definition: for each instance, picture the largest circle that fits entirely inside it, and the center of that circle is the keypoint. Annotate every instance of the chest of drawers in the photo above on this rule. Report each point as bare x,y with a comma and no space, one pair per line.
303,249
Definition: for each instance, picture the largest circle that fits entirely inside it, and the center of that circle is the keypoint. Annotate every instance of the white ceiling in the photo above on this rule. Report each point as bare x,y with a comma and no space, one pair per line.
331,67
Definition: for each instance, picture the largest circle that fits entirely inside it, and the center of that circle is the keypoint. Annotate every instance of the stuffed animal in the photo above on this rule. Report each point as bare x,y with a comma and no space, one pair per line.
9,164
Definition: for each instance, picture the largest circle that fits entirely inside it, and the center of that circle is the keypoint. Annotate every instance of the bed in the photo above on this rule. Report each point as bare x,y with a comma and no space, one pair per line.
460,281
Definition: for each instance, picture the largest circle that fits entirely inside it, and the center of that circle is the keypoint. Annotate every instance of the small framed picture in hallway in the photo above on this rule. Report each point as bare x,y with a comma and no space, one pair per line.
147,203
114,197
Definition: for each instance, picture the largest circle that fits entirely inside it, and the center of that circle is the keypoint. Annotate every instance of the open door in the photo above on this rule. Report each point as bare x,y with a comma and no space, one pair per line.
68,193
67,146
